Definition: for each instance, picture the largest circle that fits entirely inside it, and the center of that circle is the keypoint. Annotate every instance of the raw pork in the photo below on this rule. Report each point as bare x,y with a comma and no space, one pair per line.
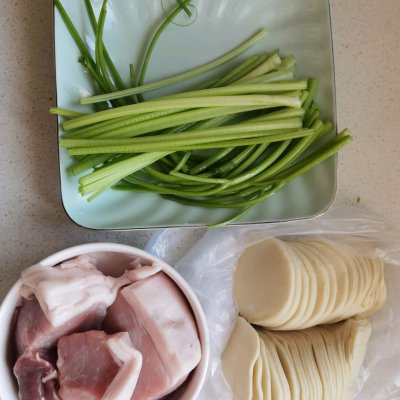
37,377
33,331
72,297
161,326
35,337
96,366
70,289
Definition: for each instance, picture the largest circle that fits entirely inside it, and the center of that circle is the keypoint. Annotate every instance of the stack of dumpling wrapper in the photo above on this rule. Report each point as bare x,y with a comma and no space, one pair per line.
303,331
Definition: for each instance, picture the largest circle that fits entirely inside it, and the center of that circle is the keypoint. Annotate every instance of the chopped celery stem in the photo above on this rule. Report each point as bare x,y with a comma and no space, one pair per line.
181,77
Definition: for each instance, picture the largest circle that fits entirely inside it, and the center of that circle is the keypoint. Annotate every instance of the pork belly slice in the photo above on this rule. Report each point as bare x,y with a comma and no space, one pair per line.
33,331
35,341
130,362
75,286
161,326
72,297
36,376
96,366
70,289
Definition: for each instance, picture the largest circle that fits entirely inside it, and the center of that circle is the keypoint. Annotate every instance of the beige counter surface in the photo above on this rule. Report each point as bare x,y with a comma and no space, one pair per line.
33,222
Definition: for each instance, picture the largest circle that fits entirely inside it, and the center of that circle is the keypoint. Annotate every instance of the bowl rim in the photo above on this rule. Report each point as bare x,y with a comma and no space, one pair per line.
7,307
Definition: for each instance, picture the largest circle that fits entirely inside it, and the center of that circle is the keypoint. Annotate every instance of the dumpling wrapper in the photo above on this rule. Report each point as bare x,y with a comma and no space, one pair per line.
265,283
337,259
305,384
376,296
239,359
266,373
361,278
334,380
316,363
297,306
343,369
258,393
288,364
279,383
310,366
324,287
359,287
307,303
318,257
359,331
346,347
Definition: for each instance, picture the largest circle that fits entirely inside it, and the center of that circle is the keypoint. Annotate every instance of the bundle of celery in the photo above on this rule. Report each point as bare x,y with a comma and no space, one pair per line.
231,143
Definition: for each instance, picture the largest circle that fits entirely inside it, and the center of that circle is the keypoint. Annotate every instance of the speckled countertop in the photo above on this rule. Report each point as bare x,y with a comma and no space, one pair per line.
33,222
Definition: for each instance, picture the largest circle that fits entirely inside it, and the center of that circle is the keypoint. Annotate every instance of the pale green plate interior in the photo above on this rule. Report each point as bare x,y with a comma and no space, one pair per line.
299,27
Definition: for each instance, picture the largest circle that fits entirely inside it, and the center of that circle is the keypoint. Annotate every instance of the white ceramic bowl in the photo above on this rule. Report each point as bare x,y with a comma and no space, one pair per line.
111,257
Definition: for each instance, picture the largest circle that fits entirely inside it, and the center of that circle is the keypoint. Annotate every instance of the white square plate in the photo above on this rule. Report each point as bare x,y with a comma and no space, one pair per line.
298,27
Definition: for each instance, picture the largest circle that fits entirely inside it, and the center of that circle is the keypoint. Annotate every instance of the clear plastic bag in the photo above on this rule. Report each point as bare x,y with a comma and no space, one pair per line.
209,264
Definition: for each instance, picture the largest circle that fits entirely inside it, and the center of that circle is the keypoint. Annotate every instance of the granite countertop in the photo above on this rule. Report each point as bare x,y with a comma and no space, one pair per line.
33,222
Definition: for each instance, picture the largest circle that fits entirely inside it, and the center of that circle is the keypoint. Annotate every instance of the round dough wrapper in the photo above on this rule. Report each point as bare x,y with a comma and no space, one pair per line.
343,368
305,349
360,287
372,282
303,284
334,382
266,373
298,291
311,301
353,274
297,298
323,287
265,282
305,383
287,362
321,359
239,358
359,331
366,277
258,393
339,260
350,339
379,264
382,291
368,301
318,257
378,295
279,383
